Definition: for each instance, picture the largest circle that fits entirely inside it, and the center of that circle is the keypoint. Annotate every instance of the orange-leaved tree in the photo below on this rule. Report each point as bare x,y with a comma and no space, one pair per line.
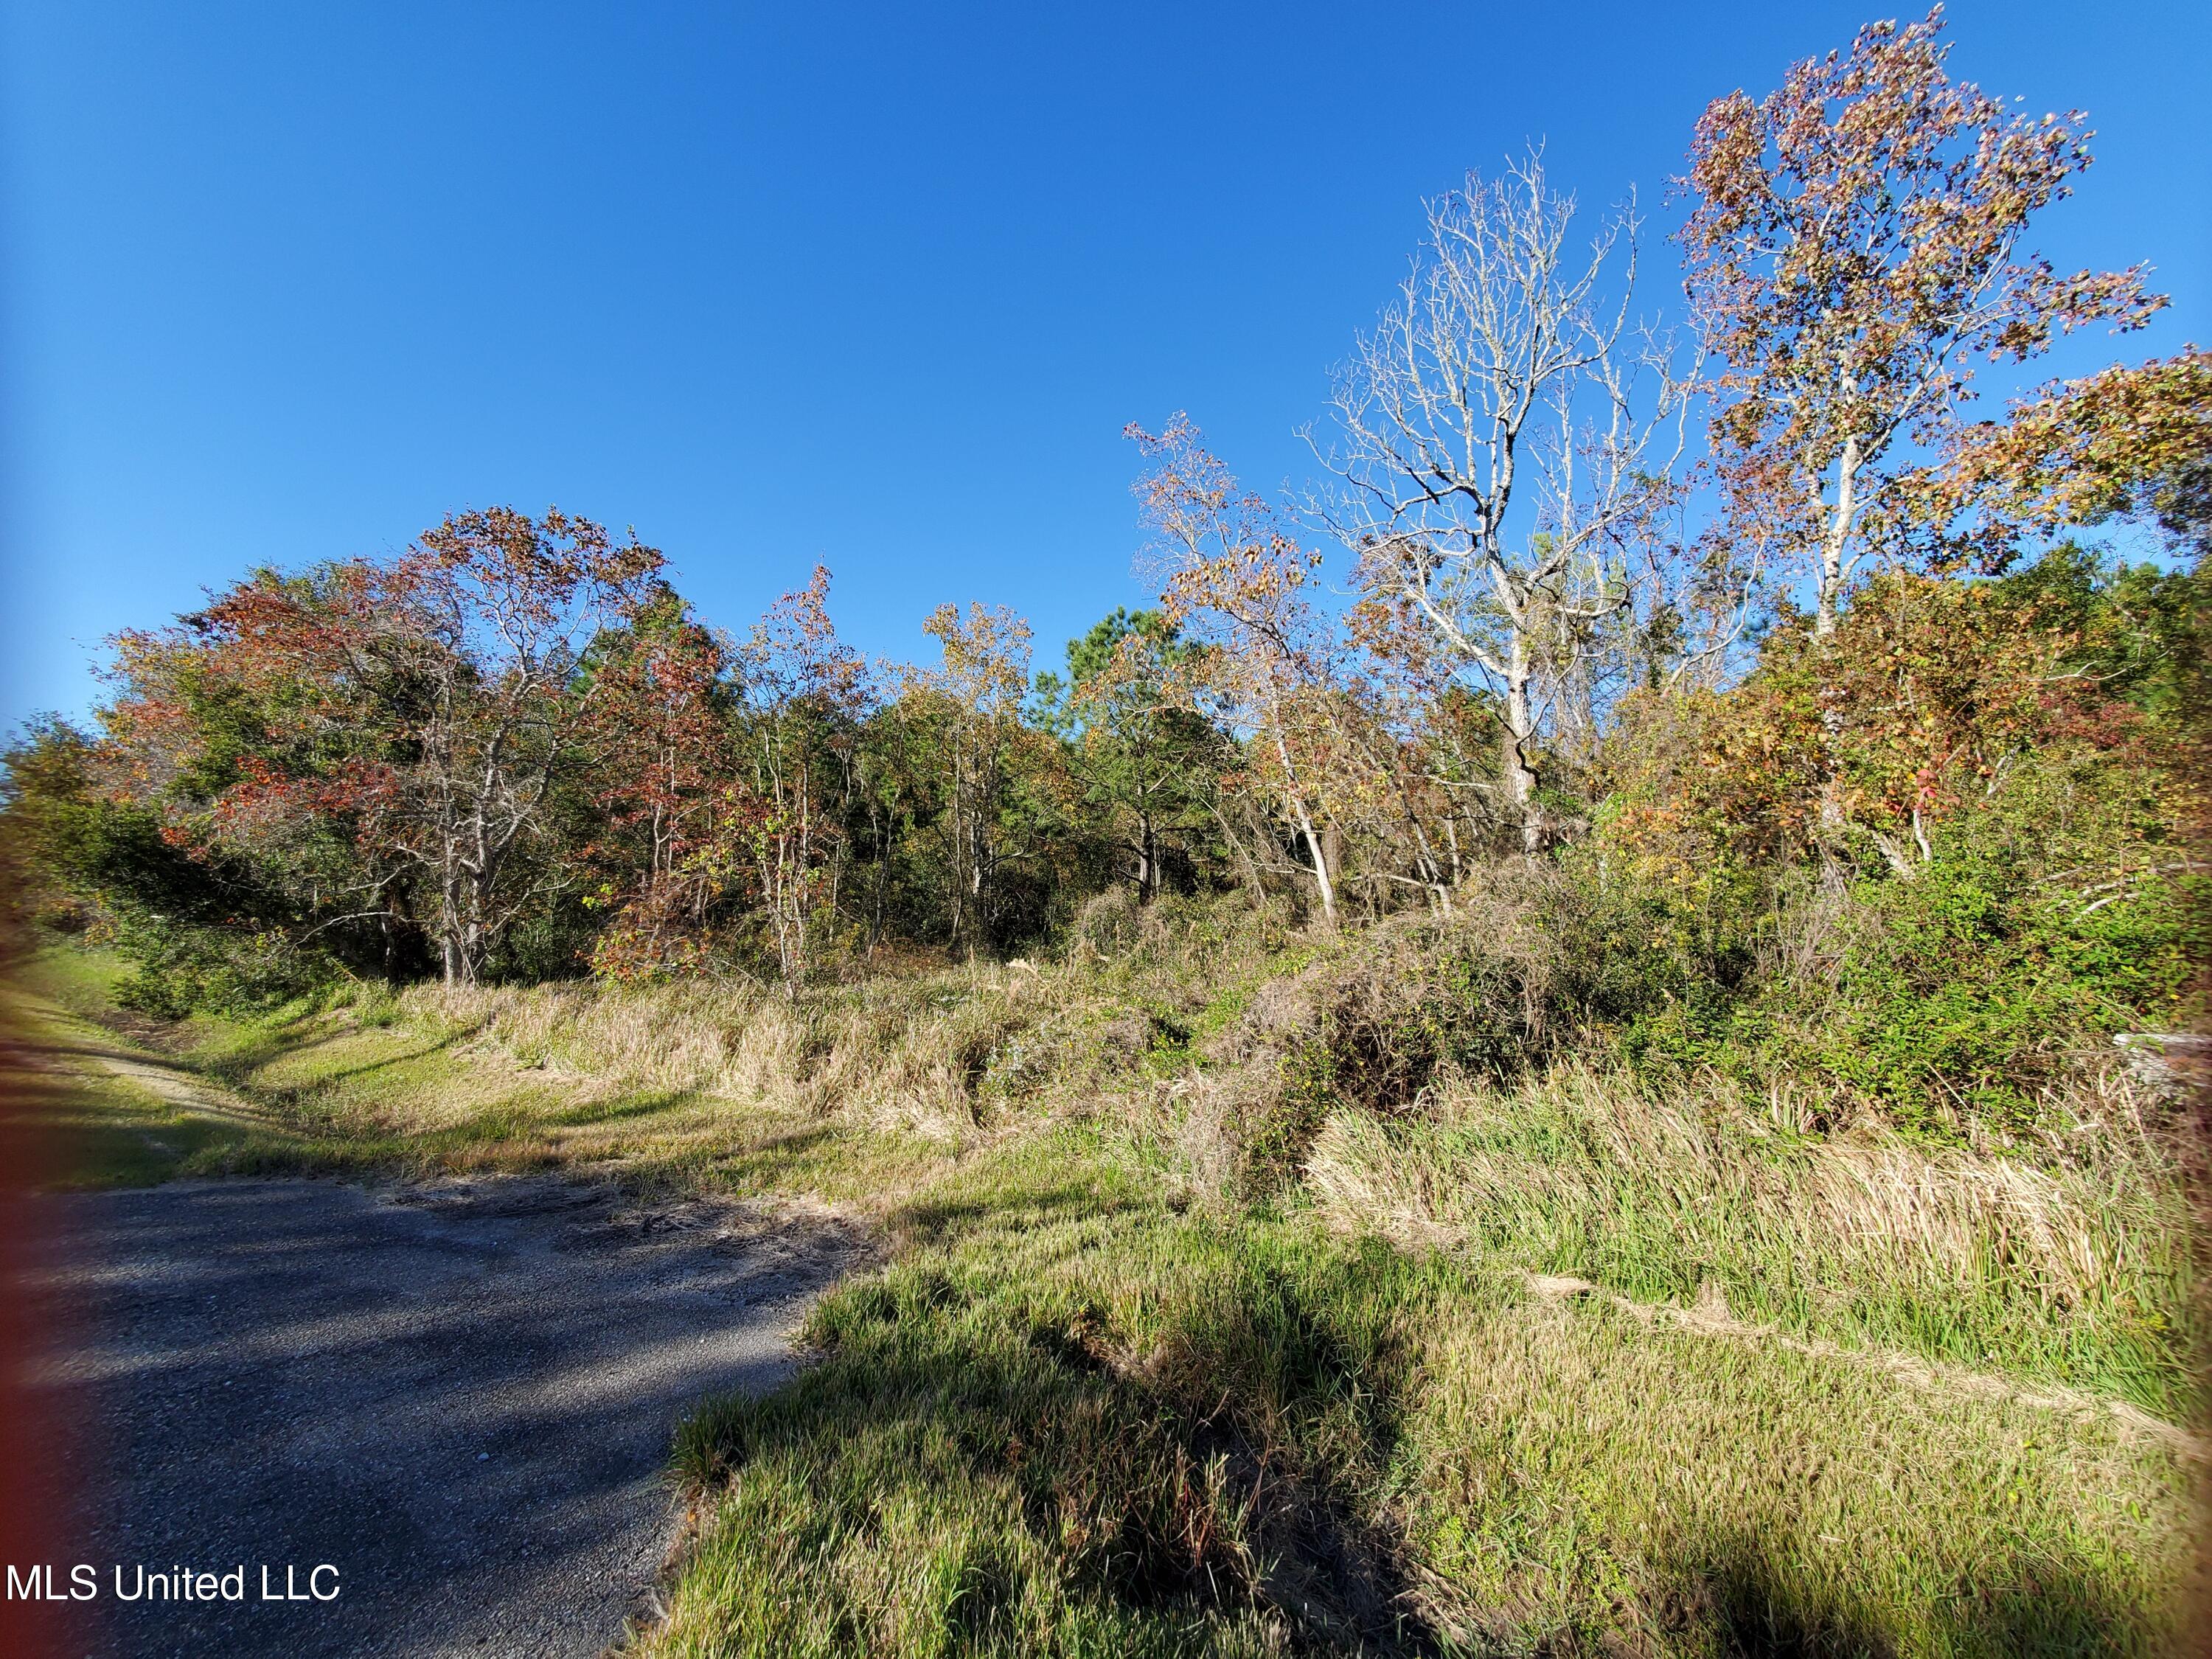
1945,690
662,732
1854,244
1233,577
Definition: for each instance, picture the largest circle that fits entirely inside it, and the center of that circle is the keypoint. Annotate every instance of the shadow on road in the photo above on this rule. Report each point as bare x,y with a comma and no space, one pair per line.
459,1396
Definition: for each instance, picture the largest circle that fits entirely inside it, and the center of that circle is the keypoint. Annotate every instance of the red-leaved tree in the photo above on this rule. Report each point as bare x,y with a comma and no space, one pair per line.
430,705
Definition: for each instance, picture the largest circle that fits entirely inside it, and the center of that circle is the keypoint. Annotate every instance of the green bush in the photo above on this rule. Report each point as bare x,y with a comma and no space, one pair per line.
1972,988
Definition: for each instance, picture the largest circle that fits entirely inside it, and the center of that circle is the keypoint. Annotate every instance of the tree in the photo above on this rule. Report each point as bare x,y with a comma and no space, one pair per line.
204,931
2133,440
430,705
961,721
1145,759
1854,242
222,754
1506,438
1232,574
1949,692
805,693
662,734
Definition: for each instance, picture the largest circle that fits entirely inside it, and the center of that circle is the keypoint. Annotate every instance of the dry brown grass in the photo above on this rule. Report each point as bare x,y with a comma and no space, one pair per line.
914,1051
1937,1211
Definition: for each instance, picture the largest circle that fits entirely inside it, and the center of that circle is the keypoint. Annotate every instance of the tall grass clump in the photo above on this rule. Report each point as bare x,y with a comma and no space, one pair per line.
943,1049
2073,1268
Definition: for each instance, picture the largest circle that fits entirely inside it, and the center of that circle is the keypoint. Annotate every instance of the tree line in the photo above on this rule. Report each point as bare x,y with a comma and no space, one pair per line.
1766,592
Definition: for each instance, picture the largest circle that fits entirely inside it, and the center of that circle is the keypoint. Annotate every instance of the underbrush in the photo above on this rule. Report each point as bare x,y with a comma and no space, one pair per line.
1969,1004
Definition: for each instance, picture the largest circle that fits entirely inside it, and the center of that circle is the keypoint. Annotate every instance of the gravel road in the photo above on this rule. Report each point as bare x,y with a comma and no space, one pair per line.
459,1396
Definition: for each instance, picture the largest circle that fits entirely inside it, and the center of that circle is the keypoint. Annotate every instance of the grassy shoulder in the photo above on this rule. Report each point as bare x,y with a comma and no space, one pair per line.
1123,1389
1073,1419
358,1085
98,1105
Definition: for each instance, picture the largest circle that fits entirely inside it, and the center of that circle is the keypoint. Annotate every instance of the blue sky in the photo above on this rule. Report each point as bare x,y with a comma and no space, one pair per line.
869,285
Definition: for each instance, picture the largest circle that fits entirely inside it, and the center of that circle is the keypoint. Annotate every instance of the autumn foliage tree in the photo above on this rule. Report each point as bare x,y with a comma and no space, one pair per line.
806,694
429,705
1233,575
663,744
2132,439
1854,244
1948,689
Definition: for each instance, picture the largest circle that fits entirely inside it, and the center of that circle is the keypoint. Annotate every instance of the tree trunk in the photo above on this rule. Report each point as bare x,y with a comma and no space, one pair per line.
1824,625
452,950
1518,776
1838,534
1319,864
1297,800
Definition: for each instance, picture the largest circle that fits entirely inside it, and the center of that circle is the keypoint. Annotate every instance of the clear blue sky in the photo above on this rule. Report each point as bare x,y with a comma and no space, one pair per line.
876,286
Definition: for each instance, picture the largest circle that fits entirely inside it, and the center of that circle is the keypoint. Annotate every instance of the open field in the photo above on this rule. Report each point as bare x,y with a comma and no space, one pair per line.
1563,1369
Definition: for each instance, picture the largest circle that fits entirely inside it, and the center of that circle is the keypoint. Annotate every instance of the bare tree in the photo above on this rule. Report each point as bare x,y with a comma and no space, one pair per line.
1506,439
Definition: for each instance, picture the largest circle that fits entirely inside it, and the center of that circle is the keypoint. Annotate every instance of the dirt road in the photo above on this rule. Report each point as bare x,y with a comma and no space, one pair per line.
459,1396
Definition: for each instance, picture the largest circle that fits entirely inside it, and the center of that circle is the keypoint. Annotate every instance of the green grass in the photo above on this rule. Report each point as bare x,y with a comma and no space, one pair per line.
82,982
91,1131
1096,1402
1071,1420
75,1124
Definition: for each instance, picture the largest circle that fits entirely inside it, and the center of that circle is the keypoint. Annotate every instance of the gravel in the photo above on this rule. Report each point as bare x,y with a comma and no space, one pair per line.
459,1396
